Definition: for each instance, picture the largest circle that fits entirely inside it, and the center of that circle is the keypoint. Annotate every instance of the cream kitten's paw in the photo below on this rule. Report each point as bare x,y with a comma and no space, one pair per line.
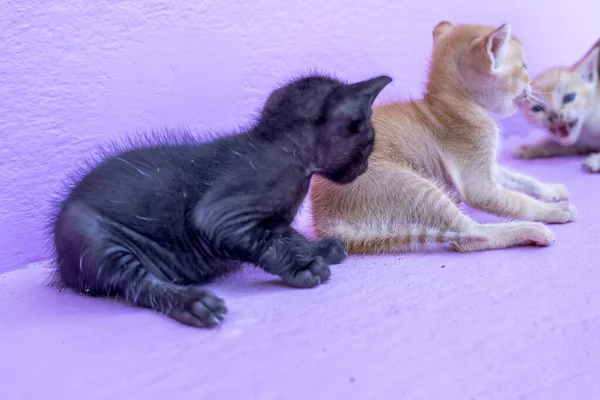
553,192
592,162
539,234
527,152
561,213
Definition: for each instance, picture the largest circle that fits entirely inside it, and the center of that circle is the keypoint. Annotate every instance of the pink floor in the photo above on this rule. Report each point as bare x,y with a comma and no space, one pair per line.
512,324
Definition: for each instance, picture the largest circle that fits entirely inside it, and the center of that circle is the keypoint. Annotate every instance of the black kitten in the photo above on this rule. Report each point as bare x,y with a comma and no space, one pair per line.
152,222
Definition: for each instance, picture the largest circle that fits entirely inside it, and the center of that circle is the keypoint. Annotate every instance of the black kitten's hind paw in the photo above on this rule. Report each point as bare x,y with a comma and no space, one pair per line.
314,274
198,307
332,250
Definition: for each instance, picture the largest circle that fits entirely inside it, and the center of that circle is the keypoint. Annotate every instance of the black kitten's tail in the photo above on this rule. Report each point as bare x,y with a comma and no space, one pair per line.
95,256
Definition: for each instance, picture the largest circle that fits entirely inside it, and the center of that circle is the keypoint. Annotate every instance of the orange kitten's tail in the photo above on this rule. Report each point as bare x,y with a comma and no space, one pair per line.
368,240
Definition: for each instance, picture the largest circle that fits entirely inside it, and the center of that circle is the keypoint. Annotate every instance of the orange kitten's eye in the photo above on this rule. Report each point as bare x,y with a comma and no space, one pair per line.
537,108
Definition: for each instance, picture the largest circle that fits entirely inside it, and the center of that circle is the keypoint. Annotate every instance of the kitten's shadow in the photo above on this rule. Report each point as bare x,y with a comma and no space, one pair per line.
270,283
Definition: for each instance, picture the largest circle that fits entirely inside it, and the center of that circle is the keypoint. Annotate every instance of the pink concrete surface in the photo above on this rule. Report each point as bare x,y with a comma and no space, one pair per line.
74,73
521,323
512,324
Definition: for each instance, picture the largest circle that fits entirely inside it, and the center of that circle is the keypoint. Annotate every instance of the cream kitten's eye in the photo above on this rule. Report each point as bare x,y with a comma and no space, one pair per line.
524,65
537,108
567,98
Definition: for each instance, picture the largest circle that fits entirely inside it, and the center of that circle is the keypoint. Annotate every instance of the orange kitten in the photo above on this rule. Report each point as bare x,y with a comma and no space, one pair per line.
568,108
445,141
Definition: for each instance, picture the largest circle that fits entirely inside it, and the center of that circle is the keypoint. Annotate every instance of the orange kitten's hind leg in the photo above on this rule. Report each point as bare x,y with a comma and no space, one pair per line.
410,212
508,234
478,237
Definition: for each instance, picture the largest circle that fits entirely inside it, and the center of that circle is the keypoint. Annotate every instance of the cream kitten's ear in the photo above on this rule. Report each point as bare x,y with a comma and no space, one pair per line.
496,43
588,67
441,29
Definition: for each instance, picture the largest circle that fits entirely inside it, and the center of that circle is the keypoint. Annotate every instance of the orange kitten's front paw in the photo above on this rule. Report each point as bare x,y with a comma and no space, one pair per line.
592,163
539,234
526,151
561,213
554,192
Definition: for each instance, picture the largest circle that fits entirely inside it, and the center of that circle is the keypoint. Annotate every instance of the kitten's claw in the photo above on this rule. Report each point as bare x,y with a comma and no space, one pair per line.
554,192
315,273
332,250
592,163
198,307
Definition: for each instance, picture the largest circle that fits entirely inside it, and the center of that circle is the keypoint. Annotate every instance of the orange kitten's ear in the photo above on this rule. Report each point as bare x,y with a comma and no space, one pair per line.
441,29
496,42
587,68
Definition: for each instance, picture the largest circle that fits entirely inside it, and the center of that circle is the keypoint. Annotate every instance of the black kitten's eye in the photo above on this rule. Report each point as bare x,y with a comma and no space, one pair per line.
567,98
355,126
537,108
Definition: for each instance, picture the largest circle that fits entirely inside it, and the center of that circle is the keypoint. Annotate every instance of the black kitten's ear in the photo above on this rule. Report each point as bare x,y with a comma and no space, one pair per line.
357,98
369,90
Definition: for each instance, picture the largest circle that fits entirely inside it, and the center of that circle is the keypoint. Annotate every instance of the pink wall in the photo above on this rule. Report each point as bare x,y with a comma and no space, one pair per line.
74,73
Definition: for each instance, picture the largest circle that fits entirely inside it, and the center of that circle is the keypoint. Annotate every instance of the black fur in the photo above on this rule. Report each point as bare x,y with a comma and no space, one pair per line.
159,217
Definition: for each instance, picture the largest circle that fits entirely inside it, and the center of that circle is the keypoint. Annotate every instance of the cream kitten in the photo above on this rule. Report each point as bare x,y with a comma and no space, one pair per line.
568,108
445,141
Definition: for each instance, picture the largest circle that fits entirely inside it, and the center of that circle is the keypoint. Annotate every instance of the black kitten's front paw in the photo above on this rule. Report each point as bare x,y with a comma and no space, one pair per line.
198,307
312,275
334,251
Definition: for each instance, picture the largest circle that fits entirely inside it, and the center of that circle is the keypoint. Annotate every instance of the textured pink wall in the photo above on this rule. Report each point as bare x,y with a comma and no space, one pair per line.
74,73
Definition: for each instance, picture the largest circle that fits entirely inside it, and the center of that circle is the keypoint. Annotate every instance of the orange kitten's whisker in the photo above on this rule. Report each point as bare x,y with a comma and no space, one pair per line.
535,92
537,100
531,99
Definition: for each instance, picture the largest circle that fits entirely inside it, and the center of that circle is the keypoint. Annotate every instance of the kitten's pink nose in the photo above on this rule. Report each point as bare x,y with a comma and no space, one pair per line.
527,91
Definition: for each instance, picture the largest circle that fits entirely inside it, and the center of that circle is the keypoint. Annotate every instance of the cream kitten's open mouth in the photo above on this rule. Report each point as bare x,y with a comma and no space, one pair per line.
563,130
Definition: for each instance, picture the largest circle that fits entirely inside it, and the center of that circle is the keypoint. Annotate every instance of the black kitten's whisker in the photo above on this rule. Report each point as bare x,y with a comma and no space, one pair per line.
133,166
145,218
